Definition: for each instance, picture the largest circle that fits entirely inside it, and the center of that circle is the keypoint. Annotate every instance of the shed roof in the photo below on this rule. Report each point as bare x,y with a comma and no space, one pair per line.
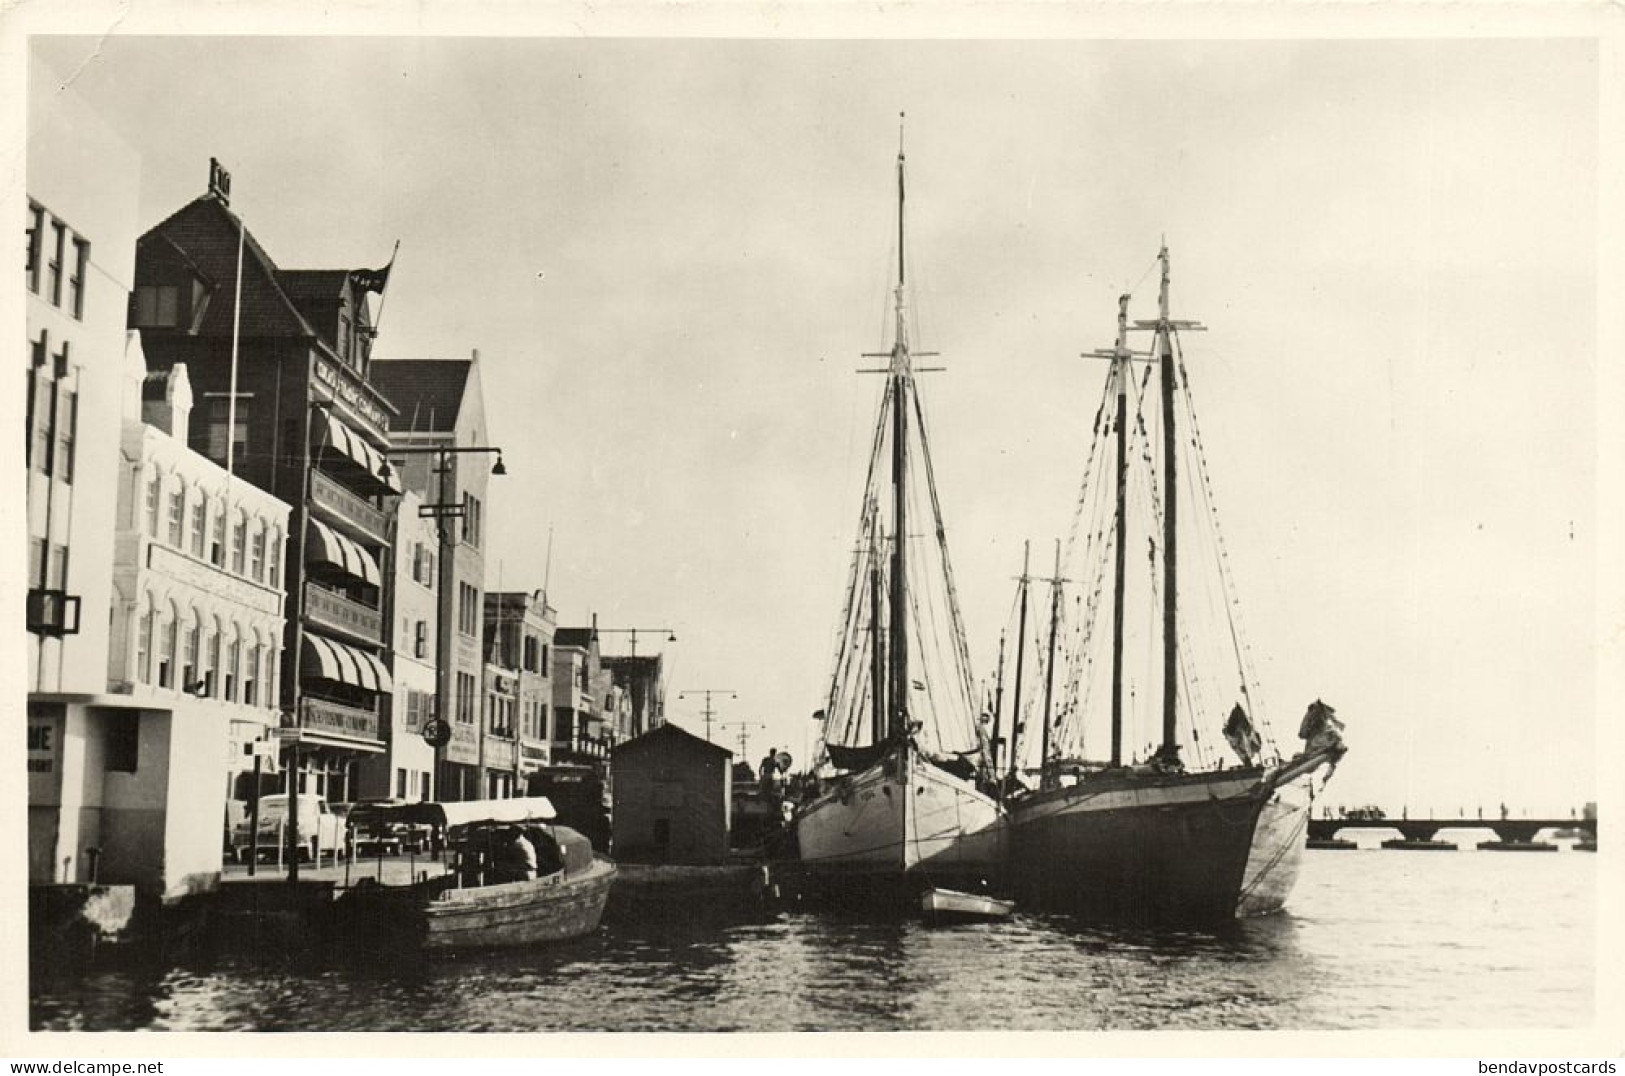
667,737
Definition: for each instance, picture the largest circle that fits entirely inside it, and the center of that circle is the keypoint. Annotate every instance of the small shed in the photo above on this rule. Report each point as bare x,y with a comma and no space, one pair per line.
672,798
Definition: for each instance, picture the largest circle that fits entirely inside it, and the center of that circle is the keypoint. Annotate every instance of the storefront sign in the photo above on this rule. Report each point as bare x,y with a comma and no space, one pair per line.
42,737
353,395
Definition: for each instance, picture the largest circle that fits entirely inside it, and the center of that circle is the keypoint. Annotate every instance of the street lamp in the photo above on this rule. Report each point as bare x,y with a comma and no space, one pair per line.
441,510
671,636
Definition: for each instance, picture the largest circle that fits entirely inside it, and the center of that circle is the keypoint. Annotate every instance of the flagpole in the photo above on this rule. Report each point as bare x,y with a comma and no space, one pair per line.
384,292
231,400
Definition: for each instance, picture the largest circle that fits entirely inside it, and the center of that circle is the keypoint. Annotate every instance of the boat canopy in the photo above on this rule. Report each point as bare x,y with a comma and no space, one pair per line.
452,815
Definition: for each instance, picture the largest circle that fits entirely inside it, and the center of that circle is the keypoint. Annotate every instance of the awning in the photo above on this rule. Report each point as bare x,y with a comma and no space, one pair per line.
351,444
331,547
329,660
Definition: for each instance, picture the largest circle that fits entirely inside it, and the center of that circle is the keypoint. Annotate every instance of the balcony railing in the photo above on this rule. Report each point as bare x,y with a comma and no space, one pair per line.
338,613
338,719
348,507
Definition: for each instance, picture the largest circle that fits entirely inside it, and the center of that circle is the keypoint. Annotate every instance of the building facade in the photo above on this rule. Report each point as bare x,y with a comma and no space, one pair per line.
580,688
641,679
672,799
442,415
291,409
519,643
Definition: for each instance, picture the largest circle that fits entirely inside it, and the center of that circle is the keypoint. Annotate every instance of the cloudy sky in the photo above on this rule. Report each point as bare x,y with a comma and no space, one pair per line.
671,252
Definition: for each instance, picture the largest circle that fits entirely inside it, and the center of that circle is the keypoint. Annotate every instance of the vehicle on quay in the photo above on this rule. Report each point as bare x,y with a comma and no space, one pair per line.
481,897
377,827
320,830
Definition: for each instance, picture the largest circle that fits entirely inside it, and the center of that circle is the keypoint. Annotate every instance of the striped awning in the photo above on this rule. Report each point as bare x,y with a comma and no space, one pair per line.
330,547
346,441
326,659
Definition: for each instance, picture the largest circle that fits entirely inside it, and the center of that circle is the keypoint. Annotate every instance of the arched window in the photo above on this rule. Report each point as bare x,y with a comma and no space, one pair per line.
145,617
239,541
168,625
155,492
190,632
272,655
175,515
211,658
233,659
200,523
256,553
273,554
251,673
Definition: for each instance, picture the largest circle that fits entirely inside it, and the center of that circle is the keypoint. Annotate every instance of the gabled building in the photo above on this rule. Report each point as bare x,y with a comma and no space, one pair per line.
441,409
297,415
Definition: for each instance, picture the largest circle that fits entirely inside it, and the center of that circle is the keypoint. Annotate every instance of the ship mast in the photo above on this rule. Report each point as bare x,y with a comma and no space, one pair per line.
1120,372
1163,350
1016,723
902,379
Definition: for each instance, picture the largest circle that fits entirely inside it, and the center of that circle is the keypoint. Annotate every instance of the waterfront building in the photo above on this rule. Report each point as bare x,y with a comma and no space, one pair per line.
519,629
441,406
296,414
640,677
406,769
580,687
673,799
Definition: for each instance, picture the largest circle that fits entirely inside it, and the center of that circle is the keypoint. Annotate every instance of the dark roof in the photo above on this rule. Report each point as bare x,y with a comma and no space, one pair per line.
427,392
581,637
204,233
669,735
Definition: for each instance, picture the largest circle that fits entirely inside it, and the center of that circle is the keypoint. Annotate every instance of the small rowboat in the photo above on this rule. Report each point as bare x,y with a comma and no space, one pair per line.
950,905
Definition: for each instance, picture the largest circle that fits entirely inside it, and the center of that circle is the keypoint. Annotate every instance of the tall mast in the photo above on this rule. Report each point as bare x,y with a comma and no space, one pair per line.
901,383
877,673
1049,667
1120,371
998,708
1021,654
1170,530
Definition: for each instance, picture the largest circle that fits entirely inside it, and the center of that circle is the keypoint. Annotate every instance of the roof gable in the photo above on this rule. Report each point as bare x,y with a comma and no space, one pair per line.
669,737
428,393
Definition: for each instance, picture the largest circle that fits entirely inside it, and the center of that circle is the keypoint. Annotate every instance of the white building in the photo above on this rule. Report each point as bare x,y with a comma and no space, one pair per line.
406,769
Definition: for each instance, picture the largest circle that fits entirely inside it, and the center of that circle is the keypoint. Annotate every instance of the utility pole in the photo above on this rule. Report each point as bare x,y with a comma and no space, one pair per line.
708,711
744,728
671,636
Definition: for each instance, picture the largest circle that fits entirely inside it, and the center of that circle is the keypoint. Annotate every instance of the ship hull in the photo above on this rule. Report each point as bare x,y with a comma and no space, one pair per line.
901,824
1189,849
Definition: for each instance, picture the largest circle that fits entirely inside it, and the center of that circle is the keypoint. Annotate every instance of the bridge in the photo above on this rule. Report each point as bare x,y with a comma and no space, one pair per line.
1519,830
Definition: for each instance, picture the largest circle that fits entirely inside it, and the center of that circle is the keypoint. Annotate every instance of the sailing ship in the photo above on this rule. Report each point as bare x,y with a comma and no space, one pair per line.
1156,837
902,802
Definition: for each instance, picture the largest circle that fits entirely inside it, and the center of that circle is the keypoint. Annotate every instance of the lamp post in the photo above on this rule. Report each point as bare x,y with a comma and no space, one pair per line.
707,710
441,510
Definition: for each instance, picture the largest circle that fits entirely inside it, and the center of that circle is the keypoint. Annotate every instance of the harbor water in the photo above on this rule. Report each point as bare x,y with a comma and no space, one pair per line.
1371,939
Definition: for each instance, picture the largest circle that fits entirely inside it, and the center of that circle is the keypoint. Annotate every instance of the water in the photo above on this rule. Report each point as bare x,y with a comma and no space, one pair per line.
1371,939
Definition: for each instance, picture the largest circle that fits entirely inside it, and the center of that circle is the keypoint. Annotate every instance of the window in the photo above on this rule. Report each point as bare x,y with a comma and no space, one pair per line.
36,385
155,484
36,562
217,540
420,641
270,677
256,555
471,519
200,524
157,306
466,691
67,422
219,417
59,241
273,570
423,783
56,573
468,609
211,660
400,783
166,651
239,540
123,744
36,245
233,652
177,513
189,654
251,676
76,281
143,646
531,650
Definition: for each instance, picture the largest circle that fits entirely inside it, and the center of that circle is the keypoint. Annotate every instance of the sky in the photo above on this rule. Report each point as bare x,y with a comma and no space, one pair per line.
671,253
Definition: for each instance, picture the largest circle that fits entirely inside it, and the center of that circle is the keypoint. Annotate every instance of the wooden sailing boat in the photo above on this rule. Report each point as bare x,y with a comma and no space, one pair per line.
1150,839
900,804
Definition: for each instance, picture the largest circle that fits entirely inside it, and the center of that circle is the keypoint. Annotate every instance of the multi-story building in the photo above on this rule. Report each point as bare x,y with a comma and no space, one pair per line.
640,678
127,738
286,401
197,611
406,769
442,415
519,630
580,690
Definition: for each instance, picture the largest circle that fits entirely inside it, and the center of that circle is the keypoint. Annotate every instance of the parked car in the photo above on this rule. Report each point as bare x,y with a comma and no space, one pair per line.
320,830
